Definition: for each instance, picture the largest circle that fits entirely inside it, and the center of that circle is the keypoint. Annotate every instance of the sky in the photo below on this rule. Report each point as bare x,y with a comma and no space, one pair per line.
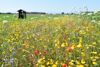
49,6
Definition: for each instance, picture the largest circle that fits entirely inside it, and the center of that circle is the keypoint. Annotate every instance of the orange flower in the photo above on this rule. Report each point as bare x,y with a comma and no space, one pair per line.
70,49
64,65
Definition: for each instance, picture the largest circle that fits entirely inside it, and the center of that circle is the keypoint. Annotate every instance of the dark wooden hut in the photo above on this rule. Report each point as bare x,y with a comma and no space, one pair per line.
21,14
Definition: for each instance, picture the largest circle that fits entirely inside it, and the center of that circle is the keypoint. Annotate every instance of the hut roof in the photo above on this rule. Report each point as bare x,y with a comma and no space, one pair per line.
21,10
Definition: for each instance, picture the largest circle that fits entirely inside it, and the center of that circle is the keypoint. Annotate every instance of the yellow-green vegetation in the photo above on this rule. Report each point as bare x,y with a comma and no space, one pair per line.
50,41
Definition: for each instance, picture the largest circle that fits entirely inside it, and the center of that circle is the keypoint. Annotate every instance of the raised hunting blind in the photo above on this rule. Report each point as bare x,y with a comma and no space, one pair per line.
21,14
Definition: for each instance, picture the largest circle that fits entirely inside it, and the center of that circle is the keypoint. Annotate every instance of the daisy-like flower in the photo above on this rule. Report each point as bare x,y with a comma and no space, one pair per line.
80,65
54,65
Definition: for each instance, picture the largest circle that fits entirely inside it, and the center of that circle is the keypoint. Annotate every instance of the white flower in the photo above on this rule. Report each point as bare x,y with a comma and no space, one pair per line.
5,60
5,21
93,21
89,13
42,15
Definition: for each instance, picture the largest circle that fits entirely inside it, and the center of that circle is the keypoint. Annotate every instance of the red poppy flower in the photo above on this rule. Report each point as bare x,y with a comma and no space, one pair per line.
36,52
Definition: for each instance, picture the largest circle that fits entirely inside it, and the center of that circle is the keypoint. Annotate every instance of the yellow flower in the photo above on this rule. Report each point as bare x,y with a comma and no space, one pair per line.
87,47
73,46
66,44
43,66
94,52
41,60
48,63
83,61
51,61
91,57
94,63
57,45
63,45
79,45
94,59
25,50
32,46
26,46
77,62
82,32
56,62
80,66
80,40
90,45
58,42
54,65
71,62
82,53
37,65
94,43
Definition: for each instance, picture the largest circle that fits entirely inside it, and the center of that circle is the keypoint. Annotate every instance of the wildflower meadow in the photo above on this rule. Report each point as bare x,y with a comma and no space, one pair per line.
50,40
